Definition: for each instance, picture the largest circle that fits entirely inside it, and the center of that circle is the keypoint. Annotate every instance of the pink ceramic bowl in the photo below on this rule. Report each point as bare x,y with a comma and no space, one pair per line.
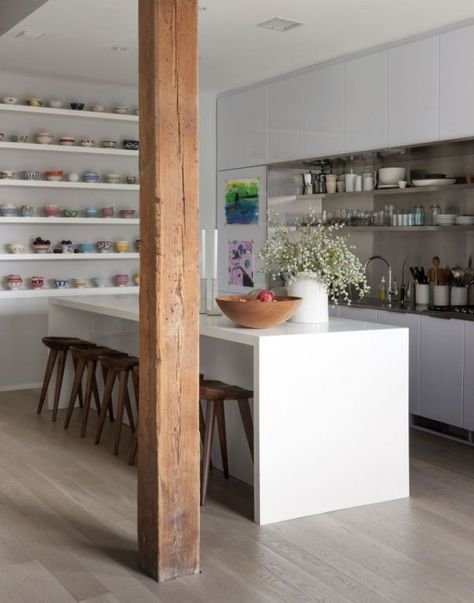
37,282
51,211
121,280
14,281
107,212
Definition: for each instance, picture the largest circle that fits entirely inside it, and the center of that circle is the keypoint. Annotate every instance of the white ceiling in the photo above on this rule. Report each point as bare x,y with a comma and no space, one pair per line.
234,52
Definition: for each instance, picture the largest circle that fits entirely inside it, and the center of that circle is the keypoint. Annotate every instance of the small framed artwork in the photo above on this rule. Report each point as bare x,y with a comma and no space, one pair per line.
242,226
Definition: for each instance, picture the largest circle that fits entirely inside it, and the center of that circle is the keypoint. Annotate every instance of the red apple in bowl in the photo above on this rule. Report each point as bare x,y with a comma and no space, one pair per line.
266,296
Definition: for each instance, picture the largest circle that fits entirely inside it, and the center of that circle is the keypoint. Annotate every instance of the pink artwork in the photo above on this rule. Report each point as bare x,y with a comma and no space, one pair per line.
241,261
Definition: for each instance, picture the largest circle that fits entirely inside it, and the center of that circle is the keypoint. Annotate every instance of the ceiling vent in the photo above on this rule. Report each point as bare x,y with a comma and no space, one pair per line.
278,24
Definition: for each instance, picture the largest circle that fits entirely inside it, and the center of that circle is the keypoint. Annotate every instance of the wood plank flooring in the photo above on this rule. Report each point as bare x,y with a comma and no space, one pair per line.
68,530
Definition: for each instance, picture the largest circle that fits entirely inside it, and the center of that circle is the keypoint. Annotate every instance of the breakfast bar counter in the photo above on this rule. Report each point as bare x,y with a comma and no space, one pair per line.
330,409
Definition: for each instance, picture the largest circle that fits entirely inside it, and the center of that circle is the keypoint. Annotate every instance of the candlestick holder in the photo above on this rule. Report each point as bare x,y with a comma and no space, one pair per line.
203,297
212,307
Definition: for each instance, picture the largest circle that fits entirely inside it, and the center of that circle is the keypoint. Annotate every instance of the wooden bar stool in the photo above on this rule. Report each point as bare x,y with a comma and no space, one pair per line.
58,351
120,366
86,362
215,393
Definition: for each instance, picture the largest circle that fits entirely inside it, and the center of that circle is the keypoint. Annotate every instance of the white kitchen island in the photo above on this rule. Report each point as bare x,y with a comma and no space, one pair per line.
330,408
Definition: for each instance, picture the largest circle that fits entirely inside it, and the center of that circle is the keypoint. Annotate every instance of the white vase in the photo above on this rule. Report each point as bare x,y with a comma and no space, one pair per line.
314,307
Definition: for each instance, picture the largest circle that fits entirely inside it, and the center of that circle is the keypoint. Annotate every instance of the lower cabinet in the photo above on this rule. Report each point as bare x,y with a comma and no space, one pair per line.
441,370
412,323
468,380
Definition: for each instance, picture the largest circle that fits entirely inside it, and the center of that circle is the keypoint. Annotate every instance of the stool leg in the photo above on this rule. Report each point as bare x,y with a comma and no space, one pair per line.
59,381
128,408
220,414
81,401
106,402
244,407
122,395
91,367
202,428
111,408
210,421
133,451
47,378
81,365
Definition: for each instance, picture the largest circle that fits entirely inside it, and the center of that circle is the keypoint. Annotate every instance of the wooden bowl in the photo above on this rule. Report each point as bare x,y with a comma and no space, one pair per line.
247,311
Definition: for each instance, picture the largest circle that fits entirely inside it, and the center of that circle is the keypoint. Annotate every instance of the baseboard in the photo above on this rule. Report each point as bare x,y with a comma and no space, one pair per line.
12,388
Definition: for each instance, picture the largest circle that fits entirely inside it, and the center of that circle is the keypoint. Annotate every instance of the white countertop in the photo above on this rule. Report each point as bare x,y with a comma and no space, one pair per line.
217,327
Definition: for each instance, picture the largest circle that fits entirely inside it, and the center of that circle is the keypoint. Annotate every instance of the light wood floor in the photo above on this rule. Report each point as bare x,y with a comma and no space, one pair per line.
67,530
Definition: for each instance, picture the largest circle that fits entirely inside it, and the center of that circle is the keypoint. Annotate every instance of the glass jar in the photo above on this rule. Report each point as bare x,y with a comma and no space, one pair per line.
433,215
419,215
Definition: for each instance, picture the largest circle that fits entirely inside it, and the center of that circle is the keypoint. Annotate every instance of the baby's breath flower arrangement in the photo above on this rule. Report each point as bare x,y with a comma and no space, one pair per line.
317,251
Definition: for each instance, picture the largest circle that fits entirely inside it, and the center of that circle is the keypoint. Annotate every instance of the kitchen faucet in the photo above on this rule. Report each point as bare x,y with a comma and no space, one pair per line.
379,257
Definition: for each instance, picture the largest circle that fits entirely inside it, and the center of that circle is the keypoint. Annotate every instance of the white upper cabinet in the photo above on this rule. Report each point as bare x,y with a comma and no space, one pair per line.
323,111
413,97
285,119
255,126
229,126
365,103
457,83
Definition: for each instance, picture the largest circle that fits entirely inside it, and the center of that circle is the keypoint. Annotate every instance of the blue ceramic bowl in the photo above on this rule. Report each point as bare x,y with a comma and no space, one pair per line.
77,106
131,145
90,212
61,283
100,281
86,247
91,176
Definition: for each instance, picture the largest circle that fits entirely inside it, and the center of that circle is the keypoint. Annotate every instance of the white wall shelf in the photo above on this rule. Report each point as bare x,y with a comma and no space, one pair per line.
447,229
67,257
73,185
62,148
69,113
47,292
71,221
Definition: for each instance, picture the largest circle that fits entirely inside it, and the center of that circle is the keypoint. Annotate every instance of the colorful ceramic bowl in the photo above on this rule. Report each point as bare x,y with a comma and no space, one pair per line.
54,175
34,101
131,144
54,103
18,137
131,179
109,144
136,278
67,140
98,108
70,212
79,283
121,280
31,175
10,100
87,142
61,283
100,281
127,213
26,211
104,246
112,178
77,106
86,247
121,246
91,212
121,110
7,175
8,210
91,176
16,247
107,212
51,211
44,138
41,247
137,244
73,177
14,281
37,282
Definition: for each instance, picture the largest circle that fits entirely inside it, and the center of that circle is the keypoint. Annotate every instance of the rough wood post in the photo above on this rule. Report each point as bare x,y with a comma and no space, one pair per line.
168,455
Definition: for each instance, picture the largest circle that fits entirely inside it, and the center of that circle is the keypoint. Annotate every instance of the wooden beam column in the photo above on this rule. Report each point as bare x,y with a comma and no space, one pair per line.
168,454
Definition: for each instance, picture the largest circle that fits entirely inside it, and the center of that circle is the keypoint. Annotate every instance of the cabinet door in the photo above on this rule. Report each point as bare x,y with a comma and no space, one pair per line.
285,119
229,122
323,112
468,422
255,127
365,103
353,313
441,370
457,83
412,323
413,98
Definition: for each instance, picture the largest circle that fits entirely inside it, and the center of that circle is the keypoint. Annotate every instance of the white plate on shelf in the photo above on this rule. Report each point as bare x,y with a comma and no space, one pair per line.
434,182
465,220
